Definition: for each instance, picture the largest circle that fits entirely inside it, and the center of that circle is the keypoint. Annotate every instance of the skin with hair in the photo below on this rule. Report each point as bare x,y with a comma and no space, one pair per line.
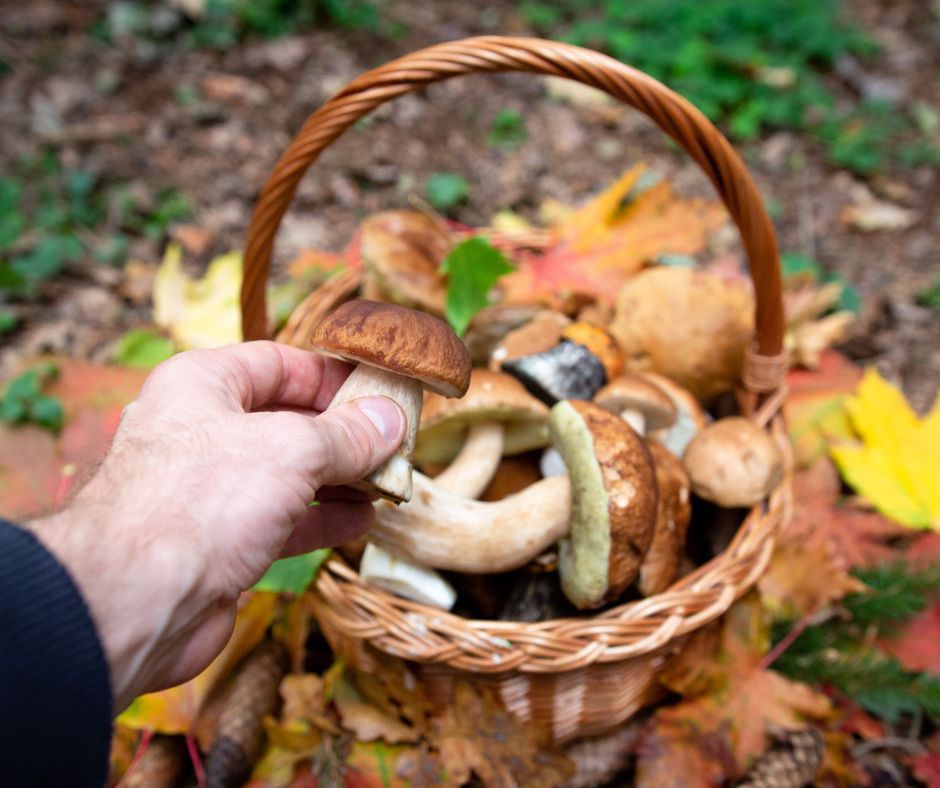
207,482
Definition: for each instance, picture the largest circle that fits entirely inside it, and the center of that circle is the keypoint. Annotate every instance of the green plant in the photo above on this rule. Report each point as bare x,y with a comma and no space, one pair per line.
749,66
472,268
23,400
930,296
507,130
446,190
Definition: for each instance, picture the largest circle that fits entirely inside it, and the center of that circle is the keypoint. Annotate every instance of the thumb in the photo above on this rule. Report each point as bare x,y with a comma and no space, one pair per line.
356,437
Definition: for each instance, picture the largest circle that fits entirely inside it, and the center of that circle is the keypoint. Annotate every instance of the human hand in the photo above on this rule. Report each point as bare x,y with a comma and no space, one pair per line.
207,482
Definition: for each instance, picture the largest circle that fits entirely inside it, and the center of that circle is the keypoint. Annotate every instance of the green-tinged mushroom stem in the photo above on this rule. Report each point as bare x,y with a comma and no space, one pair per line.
475,465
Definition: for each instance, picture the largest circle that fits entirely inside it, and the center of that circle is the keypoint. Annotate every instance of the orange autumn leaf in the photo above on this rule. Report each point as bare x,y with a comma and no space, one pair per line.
600,245
37,470
177,710
721,731
917,644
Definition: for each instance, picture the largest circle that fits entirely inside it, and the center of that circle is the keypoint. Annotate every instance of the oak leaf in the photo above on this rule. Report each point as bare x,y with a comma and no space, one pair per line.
896,463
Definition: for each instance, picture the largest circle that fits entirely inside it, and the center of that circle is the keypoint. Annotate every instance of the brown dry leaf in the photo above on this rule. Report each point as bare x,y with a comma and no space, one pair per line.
194,239
291,628
720,733
600,245
366,721
392,688
870,214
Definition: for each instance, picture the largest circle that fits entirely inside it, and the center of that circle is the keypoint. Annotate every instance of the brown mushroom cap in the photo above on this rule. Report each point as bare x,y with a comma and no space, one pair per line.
614,501
402,252
733,463
540,333
661,565
690,415
397,339
691,326
492,397
631,392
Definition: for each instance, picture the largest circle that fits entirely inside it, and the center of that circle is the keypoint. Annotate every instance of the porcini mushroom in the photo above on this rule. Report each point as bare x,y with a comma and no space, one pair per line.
638,402
402,252
733,462
496,416
403,578
398,351
692,326
541,332
447,531
581,363
673,513
690,415
614,502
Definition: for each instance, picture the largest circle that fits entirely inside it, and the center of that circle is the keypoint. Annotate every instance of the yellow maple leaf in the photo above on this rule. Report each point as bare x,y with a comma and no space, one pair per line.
199,313
896,463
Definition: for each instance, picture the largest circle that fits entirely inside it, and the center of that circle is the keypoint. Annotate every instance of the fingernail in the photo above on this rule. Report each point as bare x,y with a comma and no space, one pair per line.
384,414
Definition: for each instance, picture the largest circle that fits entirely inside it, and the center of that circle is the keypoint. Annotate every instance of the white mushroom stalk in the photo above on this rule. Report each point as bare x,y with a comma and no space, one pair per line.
446,531
636,419
405,579
365,381
474,467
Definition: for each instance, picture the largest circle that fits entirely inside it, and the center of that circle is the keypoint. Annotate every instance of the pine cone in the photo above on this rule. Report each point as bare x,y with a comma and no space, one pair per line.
160,765
239,739
791,763
599,759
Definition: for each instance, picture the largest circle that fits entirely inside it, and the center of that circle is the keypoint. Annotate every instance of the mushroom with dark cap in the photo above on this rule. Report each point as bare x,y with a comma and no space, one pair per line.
614,502
496,417
398,351
733,462
661,565
643,405
585,359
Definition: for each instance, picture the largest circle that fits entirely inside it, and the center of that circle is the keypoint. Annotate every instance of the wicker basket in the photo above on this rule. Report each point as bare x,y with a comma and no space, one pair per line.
578,676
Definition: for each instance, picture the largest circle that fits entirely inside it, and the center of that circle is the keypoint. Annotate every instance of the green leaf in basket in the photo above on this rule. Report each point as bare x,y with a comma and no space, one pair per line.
446,189
142,348
292,575
472,268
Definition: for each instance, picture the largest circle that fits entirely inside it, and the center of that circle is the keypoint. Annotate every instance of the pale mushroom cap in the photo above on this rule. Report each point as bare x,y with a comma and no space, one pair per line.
492,397
689,325
633,393
397,339
540,333
614,501
403,251
690,415
733,463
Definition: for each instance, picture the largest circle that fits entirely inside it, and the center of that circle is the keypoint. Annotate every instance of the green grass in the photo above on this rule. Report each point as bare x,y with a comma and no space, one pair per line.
750,66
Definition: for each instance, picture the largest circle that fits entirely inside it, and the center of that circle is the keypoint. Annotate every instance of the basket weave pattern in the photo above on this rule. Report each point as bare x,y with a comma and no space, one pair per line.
578,676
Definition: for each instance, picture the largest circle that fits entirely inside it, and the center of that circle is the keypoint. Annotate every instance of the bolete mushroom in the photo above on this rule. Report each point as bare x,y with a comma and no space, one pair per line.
733,462
691,326
640,403
444,530
690,415
541,332
403,578
496,416
398,351
402,252
614,502
674,511
581,363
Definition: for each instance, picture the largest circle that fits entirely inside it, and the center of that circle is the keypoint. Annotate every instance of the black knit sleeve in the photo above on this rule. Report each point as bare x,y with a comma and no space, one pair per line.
55,693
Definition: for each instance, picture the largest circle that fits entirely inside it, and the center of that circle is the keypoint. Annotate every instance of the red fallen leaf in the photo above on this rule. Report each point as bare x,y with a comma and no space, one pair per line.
36,469
924,551
855,537
926,768
859,722
602,244
917,645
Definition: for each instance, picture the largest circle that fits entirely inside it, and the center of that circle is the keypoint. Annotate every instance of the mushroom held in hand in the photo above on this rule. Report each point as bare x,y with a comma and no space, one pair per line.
585,359
733,463
661,565
496,416
614,501
447,531
398,351
691,326
643,405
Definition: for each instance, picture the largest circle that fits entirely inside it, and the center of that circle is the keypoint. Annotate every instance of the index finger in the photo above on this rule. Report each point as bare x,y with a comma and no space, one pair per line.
251,376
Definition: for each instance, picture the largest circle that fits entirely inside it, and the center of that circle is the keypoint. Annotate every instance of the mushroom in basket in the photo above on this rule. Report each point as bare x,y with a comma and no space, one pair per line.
496,417
398,351
640,403
690,415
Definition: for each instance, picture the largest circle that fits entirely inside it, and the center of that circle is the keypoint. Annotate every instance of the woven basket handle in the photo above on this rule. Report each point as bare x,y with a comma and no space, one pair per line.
766,362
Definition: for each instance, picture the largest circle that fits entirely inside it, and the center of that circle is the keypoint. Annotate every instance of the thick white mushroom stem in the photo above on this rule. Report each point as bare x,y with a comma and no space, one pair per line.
635,419
392,479
446,531
474,466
